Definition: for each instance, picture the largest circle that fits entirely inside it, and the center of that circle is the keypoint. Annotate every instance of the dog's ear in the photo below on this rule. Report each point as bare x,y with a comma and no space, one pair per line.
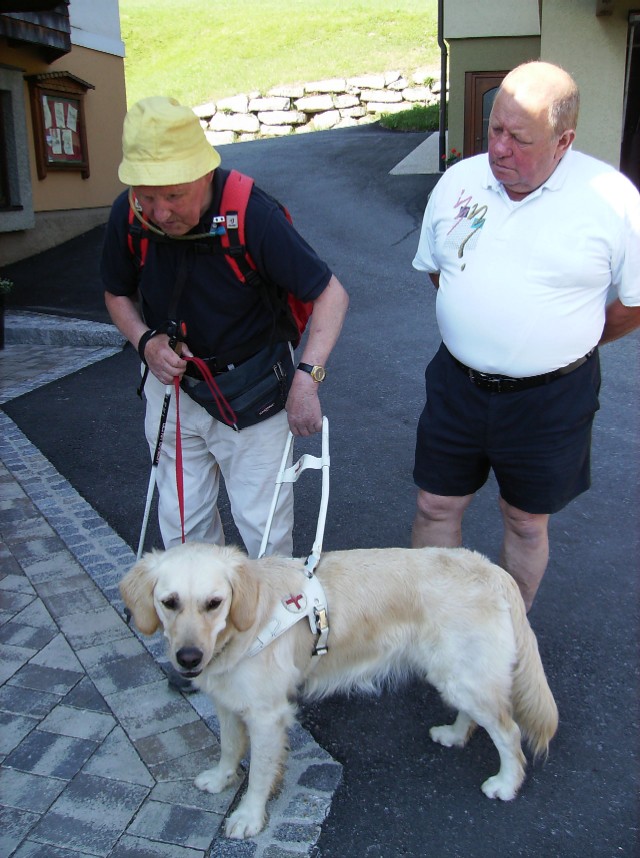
136,589
245,592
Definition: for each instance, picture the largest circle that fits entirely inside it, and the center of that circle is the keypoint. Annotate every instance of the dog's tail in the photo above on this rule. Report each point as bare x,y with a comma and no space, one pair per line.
534,707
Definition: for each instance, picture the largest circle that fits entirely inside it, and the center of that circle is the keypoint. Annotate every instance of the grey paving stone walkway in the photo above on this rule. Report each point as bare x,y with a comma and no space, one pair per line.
97,753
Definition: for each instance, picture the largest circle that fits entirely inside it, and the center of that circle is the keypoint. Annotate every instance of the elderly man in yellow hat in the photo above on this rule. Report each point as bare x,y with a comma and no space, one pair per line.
164,262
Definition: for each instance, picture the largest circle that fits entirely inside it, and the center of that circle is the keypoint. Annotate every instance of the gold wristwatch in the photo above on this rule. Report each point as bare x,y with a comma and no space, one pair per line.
317,373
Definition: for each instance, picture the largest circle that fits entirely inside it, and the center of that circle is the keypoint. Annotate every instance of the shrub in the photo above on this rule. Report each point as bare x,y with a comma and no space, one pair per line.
420,117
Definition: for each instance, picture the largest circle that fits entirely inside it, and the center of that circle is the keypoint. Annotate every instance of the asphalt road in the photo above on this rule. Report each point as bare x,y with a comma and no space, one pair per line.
401,794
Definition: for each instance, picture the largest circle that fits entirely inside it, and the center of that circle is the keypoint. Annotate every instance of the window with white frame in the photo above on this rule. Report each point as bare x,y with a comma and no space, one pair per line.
16,204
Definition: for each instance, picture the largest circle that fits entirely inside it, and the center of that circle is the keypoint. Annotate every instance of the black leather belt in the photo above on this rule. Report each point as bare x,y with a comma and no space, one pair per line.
506,384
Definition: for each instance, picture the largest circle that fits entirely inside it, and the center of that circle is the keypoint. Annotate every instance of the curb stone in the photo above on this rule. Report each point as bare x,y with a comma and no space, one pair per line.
27,327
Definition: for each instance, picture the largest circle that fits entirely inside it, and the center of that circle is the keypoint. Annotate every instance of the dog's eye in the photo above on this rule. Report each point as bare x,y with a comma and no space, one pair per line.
213,604
171,603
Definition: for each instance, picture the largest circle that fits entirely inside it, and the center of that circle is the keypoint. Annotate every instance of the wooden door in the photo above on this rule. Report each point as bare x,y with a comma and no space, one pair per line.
479,91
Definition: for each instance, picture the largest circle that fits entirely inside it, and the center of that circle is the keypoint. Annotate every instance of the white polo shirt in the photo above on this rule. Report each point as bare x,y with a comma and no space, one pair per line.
523,285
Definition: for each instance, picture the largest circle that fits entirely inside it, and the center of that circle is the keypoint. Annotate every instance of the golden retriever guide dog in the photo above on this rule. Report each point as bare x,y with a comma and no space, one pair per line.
448,616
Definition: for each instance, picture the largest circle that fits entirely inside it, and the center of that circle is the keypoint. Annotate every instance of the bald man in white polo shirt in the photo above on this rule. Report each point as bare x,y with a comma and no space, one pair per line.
523,245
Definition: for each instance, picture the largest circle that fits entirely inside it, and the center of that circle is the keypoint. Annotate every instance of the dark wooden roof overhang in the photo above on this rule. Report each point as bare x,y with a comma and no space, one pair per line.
43,24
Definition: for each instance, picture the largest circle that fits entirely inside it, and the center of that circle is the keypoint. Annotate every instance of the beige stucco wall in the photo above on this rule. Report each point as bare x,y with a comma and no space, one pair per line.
464,19
467,55
105,107
592,49
64,203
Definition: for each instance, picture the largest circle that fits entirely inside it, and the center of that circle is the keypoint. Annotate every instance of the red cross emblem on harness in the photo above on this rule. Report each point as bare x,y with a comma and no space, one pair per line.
295,603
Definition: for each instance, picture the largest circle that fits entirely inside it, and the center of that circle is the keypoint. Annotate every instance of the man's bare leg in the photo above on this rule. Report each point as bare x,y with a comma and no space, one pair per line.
438,520
525,550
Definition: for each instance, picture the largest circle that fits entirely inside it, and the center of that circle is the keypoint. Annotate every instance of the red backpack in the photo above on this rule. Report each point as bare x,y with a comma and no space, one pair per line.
229,228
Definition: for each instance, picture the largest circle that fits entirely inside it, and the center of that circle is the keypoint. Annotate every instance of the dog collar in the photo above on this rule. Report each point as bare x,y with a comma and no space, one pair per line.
309,602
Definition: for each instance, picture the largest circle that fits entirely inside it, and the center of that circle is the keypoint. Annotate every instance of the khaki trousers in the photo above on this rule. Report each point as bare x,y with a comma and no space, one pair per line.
248,461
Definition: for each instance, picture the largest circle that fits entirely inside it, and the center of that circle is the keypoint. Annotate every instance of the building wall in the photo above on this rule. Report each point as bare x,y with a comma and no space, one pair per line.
593,50
475,55
468,19
493,37
104,106
96,24
65,204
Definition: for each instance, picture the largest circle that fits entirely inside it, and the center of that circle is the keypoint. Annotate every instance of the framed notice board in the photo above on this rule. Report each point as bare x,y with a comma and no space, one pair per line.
57,109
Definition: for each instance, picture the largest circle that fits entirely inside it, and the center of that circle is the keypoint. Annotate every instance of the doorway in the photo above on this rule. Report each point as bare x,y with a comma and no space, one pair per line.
630,149
480,89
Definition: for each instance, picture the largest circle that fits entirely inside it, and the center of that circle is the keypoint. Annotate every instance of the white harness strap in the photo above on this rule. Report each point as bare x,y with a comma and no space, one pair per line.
311,601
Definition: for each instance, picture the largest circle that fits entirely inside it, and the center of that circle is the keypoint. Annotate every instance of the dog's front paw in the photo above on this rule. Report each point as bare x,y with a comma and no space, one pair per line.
244,822
215,780
448,736
498,787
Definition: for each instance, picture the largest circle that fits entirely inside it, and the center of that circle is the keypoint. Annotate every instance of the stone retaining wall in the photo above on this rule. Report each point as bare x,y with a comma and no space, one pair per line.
316,106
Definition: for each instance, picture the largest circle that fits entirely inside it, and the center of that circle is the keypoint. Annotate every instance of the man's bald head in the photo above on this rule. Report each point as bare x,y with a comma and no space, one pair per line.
539,85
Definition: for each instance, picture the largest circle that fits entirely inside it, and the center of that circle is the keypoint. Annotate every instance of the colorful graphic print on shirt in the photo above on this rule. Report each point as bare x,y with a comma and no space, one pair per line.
468,221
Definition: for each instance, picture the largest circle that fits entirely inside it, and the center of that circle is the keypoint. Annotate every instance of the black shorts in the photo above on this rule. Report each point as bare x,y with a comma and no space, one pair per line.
537,441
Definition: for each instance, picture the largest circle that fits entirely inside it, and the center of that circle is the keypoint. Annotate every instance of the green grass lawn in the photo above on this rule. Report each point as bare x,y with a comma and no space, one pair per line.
204,50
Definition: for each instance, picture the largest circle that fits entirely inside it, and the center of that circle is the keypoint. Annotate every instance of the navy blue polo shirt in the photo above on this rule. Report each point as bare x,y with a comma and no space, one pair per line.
220,312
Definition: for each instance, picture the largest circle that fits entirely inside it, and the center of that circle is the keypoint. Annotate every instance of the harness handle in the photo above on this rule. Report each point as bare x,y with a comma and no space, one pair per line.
290,475
310,601
314,558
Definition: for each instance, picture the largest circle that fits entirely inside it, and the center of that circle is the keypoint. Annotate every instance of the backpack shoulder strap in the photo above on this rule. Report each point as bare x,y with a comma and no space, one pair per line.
137,237
233,207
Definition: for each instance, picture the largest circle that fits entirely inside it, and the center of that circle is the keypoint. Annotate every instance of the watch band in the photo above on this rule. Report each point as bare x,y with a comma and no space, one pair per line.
142,344
317,373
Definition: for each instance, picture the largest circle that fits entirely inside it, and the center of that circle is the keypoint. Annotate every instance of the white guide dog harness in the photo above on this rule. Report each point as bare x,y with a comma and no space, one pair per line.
309,600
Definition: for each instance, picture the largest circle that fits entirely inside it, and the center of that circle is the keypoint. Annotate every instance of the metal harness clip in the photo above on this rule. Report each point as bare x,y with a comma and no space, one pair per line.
322,629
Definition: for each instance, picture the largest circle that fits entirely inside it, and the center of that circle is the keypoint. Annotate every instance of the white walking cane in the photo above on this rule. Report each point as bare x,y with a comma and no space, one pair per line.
154,467
290,475
173,343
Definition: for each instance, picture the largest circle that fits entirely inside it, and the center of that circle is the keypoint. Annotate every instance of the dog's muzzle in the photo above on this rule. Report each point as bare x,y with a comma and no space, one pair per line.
190,660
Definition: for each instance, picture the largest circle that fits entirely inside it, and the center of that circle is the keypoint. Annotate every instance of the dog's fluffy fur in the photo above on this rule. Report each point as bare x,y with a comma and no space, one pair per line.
448,616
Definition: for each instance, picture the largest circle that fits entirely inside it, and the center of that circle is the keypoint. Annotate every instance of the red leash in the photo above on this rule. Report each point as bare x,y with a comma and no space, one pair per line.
226,411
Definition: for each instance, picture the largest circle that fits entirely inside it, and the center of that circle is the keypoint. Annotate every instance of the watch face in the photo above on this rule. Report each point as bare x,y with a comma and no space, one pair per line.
318,373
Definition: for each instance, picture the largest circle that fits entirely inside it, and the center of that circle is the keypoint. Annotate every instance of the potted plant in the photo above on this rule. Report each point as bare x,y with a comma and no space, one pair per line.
6,286
452,158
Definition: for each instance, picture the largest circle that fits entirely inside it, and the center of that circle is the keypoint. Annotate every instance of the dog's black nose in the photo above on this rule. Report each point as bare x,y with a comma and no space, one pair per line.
189,657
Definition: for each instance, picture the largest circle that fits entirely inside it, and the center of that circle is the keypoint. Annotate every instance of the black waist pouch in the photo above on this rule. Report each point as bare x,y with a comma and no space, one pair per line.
255,390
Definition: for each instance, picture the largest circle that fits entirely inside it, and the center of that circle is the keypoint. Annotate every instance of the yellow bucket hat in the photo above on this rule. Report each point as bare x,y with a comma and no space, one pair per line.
163,144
